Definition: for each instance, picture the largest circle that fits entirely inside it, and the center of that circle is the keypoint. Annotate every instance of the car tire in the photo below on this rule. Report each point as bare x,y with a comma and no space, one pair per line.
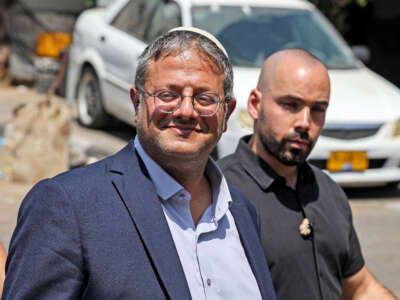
89,99
393,186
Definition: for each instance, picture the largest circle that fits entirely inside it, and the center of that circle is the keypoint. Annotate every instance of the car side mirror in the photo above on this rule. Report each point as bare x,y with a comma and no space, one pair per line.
361,52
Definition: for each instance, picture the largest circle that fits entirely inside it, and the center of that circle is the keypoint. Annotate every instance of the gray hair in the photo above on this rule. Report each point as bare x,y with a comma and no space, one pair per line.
180,41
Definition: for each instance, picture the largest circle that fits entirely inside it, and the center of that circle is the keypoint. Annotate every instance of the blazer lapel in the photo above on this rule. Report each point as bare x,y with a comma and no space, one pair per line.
140,198
252,246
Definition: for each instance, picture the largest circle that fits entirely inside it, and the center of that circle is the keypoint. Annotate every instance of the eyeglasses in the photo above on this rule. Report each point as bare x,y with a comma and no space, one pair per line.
206,104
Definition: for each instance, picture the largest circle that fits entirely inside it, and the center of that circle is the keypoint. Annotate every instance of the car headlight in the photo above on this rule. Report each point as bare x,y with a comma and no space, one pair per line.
396,129
245,120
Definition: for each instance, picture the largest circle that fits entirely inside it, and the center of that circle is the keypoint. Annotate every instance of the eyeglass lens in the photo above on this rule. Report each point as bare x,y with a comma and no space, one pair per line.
205,104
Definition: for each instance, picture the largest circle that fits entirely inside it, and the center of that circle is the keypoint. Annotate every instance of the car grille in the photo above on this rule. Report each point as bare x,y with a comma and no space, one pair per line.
373,163
350,134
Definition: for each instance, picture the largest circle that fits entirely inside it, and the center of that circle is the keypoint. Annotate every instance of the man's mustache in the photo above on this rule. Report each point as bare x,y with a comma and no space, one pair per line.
302,135
199,126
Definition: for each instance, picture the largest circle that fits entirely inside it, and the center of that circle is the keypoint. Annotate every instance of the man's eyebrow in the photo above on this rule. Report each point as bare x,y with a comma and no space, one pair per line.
297,99
175,87
322,102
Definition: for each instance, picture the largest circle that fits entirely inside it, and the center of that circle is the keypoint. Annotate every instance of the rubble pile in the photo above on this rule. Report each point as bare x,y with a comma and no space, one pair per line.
37,140
4,54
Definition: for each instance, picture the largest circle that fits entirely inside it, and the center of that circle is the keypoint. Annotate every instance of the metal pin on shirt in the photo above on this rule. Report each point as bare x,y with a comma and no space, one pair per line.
305,227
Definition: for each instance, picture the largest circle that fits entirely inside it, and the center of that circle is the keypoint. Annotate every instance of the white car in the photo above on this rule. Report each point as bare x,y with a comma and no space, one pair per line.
360,144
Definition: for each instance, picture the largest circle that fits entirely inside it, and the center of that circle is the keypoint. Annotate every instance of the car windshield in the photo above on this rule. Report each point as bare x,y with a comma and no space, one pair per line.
251,34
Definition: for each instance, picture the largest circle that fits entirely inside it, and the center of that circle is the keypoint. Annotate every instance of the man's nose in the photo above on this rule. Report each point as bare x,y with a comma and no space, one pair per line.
186,109
303,119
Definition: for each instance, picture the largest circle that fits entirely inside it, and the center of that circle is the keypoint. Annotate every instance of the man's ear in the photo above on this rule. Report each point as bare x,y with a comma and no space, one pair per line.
135,98
254,103
228,110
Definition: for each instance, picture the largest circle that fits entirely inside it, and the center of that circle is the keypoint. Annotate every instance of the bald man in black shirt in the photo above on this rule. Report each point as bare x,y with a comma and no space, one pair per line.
306,222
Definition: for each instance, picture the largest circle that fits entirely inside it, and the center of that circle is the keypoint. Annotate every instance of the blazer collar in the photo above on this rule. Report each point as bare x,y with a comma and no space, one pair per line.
137,192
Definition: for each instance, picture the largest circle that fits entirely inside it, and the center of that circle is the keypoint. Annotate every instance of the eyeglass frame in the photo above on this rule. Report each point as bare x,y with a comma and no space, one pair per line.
224,99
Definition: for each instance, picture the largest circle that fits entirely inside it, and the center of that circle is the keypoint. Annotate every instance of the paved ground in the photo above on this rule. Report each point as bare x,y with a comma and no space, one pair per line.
377,222
376,211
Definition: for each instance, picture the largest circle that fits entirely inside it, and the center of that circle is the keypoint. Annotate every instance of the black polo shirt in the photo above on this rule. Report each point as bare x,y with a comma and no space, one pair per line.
302,268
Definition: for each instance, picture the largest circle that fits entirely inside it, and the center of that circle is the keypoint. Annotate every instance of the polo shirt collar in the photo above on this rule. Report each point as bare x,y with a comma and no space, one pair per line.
260,171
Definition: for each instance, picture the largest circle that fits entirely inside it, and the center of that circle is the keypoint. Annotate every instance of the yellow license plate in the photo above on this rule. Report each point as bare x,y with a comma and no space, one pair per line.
347,161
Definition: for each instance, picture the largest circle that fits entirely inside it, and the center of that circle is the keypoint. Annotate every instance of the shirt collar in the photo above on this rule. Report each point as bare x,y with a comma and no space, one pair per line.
261,172
221,196
166,186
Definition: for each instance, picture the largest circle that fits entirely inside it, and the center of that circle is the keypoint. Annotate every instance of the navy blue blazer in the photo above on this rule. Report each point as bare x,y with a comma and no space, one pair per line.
99,232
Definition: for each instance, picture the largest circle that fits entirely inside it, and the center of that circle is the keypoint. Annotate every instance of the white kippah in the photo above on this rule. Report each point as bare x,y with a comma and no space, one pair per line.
203,33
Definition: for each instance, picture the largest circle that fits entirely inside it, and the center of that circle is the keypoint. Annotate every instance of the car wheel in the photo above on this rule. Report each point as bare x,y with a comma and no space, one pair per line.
393,186
90,108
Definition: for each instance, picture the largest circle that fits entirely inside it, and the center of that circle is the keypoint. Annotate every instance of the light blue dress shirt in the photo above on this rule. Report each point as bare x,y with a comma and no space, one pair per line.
211,254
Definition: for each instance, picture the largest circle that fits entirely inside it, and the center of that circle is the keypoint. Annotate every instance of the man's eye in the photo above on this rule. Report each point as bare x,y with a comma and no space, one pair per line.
167,95
319,109
205,99
290,105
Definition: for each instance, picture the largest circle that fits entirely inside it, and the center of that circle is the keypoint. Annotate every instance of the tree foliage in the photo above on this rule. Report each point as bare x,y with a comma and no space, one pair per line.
335,10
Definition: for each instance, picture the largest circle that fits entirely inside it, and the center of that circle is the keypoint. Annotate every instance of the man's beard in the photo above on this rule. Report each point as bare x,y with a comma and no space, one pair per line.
282,152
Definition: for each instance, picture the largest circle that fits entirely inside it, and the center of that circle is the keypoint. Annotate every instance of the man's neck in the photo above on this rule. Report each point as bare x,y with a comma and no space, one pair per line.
196,183
287,172
190,173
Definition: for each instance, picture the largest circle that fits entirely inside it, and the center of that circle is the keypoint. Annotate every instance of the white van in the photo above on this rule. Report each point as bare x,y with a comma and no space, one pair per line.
360,143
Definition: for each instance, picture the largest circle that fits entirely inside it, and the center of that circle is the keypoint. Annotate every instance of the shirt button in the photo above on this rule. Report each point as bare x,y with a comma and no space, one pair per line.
208,281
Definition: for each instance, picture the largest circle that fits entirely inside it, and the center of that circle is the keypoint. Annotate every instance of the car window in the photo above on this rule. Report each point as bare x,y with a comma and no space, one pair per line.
134,17
251,34
166,16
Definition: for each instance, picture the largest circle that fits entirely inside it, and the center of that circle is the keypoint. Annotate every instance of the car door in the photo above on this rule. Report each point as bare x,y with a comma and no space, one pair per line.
121,44
124,39
165,16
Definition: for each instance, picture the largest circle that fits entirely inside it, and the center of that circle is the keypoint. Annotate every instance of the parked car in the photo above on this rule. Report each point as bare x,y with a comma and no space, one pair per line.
360,143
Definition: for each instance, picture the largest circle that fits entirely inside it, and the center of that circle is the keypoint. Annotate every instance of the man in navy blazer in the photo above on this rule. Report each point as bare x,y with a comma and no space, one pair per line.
156,220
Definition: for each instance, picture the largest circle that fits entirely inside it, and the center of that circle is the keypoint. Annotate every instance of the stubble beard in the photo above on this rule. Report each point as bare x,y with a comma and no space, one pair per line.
282,151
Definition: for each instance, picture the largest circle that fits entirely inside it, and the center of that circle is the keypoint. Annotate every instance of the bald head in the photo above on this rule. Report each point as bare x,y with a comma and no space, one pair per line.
288,107
287,61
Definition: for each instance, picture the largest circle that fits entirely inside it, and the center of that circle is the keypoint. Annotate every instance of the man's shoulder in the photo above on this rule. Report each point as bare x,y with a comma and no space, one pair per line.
243,156
81,187
228,160
93,176
91,172
239,196
331,193
233,170
229,163
323,179
240,200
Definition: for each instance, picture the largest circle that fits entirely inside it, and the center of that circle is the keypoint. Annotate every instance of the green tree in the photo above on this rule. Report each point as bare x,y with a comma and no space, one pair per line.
335,10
